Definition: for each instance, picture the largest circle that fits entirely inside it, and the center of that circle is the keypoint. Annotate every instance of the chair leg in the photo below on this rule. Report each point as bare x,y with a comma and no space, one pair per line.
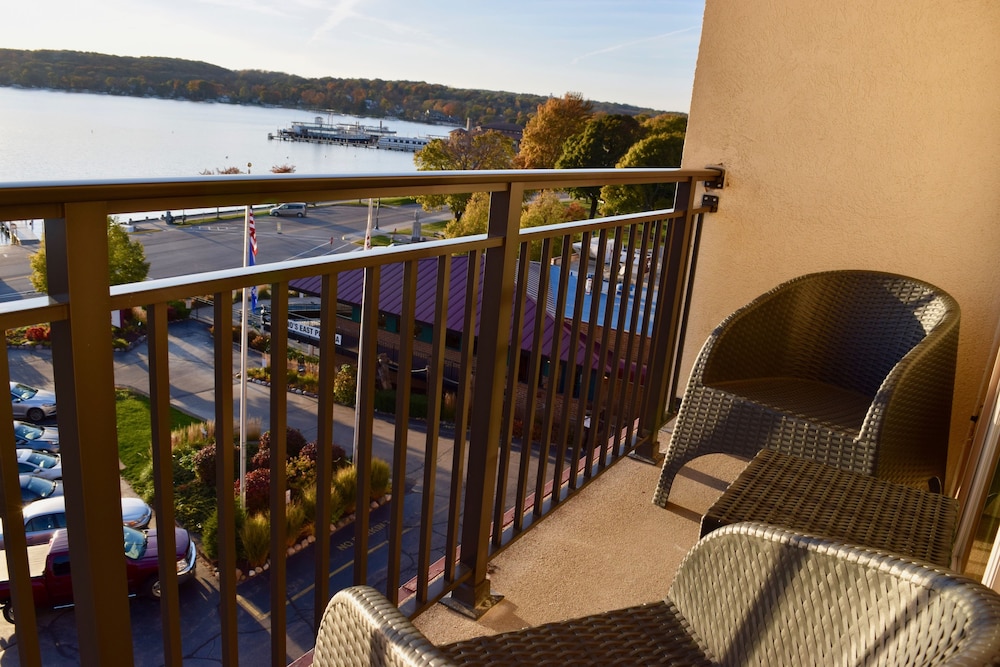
672,464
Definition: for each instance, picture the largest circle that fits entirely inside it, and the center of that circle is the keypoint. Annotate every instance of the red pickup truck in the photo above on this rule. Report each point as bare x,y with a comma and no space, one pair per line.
49,566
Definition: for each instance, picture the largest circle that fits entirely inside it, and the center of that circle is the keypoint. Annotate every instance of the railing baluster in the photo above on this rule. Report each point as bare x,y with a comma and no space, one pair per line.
434,386
678,269
15,542
279,453
510,408
364,434
225,471
557,382
463,394
404,382
324,443
163,483
504,222
77,259
611,349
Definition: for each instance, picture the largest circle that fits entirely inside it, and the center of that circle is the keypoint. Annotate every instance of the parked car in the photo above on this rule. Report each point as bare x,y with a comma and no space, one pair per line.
44,517
44,438
32,403
52,585
297,209
38,463
35,488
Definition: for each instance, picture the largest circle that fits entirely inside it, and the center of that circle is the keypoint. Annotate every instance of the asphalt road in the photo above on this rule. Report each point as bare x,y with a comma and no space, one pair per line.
211,244
178,249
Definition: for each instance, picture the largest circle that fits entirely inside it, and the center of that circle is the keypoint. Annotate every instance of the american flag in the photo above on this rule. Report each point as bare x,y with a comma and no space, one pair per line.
252,254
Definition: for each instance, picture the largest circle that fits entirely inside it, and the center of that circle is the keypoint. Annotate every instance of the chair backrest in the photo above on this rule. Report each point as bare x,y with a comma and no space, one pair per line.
757,594
847,328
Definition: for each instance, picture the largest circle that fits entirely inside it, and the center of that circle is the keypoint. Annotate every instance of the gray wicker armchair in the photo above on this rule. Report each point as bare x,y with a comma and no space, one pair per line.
746,594
854,369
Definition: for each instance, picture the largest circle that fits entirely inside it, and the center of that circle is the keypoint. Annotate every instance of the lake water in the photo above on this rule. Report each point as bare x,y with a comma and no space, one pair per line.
51,135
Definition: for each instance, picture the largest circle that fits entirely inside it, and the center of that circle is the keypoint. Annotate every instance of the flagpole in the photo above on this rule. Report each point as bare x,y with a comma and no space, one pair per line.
243,363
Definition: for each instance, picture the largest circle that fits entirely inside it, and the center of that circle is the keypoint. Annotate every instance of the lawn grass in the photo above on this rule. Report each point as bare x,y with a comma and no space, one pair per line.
135,432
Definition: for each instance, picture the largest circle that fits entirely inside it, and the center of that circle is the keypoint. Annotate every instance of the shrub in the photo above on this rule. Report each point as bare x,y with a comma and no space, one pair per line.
345,484
381,478
300,473
256,537
204,464
260,342
310,451
177,310
37,334
192,434
307,499
345,385
210,534
261,459
296,525
258,490
294,441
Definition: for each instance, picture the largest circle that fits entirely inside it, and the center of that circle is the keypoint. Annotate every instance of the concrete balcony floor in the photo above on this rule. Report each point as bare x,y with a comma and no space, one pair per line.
607,548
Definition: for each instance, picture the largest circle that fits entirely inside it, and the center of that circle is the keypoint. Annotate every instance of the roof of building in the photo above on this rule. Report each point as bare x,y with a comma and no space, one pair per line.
350,290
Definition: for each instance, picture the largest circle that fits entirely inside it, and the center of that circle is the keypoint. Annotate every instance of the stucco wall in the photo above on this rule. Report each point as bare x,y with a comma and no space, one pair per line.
856,134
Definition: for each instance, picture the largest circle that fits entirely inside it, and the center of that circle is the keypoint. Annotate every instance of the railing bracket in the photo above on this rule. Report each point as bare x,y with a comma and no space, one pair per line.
474,613
719,181
711,202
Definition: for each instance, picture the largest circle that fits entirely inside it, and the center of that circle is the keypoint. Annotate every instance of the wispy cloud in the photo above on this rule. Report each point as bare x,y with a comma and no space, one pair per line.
635,42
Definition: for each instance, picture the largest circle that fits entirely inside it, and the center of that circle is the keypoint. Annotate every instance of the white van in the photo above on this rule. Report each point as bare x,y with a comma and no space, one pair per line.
298,209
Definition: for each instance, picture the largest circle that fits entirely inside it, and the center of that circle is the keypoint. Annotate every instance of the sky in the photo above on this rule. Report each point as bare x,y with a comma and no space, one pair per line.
639,52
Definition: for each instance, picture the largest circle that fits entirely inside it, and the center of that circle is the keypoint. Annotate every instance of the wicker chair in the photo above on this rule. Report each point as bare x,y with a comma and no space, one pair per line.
747,593
854,369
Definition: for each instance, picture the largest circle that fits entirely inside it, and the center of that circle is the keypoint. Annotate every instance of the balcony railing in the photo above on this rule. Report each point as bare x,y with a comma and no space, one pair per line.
568,367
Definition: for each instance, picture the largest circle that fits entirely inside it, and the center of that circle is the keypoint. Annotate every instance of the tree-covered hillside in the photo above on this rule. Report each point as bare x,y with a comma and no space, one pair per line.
186,79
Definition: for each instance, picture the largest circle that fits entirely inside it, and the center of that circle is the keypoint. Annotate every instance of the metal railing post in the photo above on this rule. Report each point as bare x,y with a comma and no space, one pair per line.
667,324
488,397
83,368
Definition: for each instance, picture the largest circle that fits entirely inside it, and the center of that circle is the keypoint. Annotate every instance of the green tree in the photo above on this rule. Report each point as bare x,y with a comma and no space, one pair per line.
475,219
126,260
548,209
463,151
603,142
667,123
659,150
554,122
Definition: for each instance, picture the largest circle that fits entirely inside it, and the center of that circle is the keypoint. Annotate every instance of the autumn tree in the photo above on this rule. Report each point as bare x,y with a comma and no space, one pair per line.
555,122
659,150
603,142
126,260
475,220
462,151
547,209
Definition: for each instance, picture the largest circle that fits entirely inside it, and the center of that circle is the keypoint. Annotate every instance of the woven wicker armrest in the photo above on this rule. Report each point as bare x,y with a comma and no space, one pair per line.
361,627
761,595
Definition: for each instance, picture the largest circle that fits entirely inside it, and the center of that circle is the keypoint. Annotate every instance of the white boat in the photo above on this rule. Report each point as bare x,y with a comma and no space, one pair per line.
411,144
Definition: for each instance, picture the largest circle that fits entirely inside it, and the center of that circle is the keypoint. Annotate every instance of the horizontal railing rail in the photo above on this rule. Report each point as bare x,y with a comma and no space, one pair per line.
568,340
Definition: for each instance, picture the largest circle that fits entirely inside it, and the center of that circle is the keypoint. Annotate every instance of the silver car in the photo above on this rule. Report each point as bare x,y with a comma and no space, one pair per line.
32,403
42,518
39,464
44,438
